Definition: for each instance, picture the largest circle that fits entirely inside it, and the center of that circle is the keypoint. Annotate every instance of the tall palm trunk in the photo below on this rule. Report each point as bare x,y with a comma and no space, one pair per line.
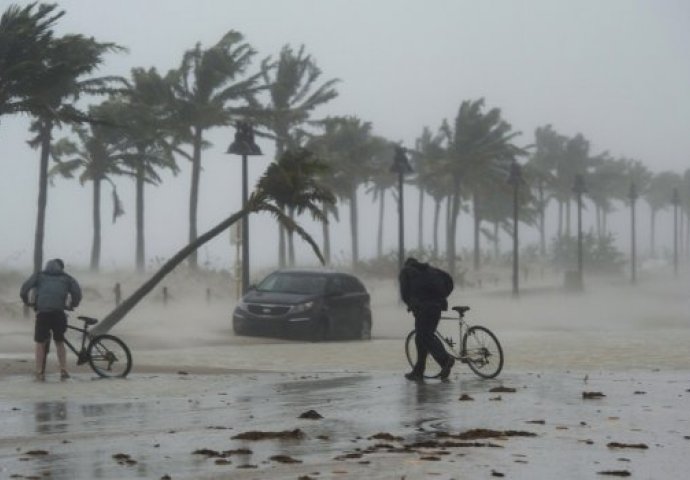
194,195
96,243
567,218
130,302
354,227
652,223
45,133
542,219
560,218
455,208
477,223
379,236
326,236
290,241
140,262
437,211
420,221
280,149
497,251
597,210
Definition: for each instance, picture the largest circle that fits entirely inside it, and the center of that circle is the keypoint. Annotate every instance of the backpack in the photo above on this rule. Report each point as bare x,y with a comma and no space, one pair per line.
442,282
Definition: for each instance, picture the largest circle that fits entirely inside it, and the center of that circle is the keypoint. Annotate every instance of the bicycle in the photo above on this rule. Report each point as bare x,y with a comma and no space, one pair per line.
106,354
479,348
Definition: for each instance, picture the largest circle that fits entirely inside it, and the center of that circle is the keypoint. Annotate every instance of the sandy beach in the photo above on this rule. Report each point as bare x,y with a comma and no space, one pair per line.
202,403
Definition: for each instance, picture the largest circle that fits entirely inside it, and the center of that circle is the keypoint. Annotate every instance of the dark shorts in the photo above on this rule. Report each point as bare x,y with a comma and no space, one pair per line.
47,322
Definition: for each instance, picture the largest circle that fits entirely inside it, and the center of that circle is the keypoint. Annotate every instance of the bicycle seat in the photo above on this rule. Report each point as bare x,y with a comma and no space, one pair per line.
88,320
461,310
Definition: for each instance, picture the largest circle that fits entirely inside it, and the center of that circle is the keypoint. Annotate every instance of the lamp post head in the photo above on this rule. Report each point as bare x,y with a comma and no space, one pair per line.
244,140
401,165
579,186
632,194
515,174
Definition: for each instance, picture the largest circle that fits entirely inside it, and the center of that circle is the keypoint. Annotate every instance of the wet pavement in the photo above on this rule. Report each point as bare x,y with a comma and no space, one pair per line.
374,425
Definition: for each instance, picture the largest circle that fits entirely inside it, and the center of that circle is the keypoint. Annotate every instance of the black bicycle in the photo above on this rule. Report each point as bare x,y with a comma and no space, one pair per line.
476,346
106,354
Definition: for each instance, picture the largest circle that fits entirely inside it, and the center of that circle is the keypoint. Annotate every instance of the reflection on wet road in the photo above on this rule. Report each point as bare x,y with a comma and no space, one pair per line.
373,426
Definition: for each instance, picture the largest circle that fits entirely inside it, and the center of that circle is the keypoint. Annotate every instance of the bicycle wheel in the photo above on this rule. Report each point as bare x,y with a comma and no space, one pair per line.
432,369
109,356
482,352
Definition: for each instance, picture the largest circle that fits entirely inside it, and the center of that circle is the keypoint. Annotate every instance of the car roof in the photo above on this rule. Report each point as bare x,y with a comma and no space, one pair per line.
311,271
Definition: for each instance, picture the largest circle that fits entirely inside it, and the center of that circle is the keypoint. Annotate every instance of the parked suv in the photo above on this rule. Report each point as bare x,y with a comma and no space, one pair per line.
312,304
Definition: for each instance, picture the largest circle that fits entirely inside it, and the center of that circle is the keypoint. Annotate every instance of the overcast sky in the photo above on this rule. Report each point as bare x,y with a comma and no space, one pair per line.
616,71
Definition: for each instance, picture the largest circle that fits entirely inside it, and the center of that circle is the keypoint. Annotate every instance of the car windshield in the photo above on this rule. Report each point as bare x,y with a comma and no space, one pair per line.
305,284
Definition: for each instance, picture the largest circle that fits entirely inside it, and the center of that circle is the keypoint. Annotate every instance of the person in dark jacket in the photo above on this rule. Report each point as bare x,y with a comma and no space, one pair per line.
426,302
52,286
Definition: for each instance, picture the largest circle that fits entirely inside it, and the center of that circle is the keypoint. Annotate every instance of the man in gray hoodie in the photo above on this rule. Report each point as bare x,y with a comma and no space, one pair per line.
52,287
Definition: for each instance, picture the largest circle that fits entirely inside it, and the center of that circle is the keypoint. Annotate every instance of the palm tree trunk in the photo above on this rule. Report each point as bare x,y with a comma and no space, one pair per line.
280,148
326,236
652,246
560,218
379,237
604,225
598,220
194,195
449,214
567,218
140,262
496,246
437,211
420,221
290,240
96,243
542,219
477,223
45,133
452,227
353,227
130,302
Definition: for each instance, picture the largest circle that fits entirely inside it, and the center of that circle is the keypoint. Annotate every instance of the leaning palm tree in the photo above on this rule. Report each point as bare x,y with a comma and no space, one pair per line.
269,190
210,89
659,197
55,90
294,96
98,154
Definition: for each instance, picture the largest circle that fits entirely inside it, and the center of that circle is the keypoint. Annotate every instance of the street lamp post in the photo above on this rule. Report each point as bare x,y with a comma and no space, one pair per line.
244,145
579,188
401,166
514,179
676,200
632,195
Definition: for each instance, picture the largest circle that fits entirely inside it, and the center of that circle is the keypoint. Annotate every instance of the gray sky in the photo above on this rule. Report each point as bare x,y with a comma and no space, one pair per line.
616,71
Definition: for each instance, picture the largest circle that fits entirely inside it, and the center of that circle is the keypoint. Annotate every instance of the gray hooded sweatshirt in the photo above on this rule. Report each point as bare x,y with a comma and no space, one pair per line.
52,287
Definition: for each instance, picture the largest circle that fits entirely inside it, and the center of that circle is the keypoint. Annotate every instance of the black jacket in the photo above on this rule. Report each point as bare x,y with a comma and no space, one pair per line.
418,287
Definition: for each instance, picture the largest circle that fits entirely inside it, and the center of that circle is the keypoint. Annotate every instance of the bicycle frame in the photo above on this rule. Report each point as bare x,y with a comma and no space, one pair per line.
449,342
81,353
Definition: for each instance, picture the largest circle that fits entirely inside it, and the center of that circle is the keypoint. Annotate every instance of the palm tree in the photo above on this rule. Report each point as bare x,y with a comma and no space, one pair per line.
98,154
658,196
480,151
293,97
606,183
540,172
382,179
26,34
575,161
54,91
427,159
294,185
348,147
269,191
210,90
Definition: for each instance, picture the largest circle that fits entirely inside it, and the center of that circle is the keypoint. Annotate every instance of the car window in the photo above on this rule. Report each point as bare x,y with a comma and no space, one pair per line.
304,284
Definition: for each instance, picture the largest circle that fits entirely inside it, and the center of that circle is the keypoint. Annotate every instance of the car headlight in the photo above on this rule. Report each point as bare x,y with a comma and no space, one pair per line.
241,305
302,307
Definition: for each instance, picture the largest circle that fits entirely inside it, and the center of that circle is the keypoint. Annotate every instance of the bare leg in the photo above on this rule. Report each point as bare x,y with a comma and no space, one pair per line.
62,359
40,360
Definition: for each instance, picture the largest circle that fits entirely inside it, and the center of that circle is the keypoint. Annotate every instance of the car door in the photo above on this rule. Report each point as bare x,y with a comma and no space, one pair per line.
357,305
